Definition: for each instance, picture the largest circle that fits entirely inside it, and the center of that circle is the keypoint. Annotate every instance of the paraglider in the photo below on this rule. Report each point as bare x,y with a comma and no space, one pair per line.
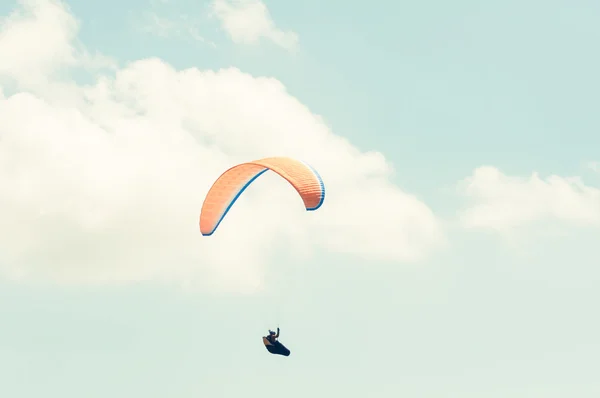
273,345
232,183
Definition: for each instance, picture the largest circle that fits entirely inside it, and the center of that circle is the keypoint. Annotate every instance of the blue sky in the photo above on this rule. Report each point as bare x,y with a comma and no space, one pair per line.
441,264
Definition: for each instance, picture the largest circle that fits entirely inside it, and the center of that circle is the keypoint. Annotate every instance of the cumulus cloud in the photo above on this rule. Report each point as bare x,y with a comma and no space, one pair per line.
248,21
504,202
103,182
37,39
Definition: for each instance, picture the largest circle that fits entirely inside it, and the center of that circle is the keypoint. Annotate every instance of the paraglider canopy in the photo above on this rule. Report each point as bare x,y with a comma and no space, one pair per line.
232,183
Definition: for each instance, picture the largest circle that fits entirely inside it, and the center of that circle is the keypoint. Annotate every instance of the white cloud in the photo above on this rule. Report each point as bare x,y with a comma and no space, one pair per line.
165,24
247,21
38,39
594,166
103,183
503,202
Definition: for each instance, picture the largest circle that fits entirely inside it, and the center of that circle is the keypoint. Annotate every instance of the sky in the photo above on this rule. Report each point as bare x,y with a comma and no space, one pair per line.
455,254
